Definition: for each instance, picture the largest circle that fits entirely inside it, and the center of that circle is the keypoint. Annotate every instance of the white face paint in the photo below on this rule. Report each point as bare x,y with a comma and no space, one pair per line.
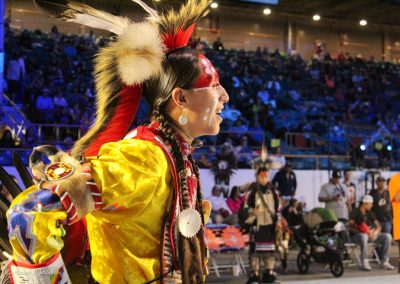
214,108
205,117
204,107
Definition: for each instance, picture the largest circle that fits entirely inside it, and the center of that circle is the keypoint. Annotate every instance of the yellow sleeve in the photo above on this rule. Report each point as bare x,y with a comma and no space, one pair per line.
134,179
128,173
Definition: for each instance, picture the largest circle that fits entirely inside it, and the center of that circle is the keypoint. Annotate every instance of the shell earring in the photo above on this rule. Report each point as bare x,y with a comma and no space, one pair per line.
183,119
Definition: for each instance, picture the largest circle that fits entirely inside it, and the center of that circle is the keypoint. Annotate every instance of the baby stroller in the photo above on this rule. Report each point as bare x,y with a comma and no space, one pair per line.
319,240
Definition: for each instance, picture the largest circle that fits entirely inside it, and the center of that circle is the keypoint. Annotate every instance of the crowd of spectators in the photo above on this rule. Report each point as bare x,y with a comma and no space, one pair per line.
50,75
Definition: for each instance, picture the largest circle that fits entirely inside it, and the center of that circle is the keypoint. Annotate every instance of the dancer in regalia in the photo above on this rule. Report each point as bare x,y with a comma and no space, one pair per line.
139,191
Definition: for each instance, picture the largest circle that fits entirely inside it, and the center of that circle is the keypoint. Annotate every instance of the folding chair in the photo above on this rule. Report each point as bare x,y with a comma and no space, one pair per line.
213,244
235,242
354,255
225,239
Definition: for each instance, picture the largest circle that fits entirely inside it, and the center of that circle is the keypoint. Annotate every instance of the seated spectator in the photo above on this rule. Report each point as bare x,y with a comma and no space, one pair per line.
59,100
45,106
235,200
243,153
256,133
220,214
218,45
274,86
203,162
230,113
238,129
31,138
263,95
364,228
382,207
277,159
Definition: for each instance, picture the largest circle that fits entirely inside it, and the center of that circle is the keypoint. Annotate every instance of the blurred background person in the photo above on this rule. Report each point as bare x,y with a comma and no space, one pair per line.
286,183
382,207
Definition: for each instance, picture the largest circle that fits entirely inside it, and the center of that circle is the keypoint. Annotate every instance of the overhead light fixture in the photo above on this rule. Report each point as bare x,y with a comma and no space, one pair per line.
316,17
363,147
214,5
363,22
267,11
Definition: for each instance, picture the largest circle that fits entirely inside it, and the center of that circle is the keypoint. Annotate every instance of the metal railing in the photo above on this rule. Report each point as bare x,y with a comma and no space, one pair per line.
314,152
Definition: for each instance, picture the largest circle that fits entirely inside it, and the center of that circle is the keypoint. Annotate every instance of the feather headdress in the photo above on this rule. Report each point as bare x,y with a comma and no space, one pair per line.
263,161
122,67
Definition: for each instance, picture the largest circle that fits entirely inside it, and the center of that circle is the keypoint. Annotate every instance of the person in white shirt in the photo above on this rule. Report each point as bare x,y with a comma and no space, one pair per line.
335,197
59,100
350,188
44,102
45,107
14,75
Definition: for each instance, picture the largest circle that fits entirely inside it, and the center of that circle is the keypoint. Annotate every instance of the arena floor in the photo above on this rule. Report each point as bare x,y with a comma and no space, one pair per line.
318,274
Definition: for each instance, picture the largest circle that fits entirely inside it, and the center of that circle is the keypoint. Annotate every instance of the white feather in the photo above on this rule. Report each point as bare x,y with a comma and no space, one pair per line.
93,22
88,16
153,13
139,52
264,153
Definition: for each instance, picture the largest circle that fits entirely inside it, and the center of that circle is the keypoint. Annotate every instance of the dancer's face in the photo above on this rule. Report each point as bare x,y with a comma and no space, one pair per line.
262,178
204,107
203,103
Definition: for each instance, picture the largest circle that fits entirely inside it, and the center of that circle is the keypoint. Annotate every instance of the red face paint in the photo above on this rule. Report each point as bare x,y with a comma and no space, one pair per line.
209,76
263,174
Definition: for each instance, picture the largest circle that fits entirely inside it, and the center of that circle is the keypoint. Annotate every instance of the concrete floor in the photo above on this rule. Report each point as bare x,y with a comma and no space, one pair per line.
317,274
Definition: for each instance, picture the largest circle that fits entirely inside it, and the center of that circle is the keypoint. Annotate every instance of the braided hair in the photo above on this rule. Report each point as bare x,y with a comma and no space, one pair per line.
180,69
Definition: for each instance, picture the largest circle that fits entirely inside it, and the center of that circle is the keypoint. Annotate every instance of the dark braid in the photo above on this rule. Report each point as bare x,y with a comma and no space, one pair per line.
199,191
170,137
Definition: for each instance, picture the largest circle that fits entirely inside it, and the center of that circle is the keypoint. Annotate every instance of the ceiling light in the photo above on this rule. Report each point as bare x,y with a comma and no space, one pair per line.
214,5
267,11
363,22
316,17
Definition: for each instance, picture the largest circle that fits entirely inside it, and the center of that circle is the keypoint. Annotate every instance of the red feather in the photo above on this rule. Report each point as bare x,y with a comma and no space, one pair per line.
121,121
181,39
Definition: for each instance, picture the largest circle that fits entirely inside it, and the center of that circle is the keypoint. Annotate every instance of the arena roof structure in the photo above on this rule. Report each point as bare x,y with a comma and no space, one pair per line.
376,12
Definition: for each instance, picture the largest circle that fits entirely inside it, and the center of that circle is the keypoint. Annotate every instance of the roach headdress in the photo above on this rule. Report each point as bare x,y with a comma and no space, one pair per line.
263,161
124,65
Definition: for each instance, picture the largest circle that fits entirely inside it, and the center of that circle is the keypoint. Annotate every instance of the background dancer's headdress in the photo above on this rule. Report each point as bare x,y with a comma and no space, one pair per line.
262,162
123,66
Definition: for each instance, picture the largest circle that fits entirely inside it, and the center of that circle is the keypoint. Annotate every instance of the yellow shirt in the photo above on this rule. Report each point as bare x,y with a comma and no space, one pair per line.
134,179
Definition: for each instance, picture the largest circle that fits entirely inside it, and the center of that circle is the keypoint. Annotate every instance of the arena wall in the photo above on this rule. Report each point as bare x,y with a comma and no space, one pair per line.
309,182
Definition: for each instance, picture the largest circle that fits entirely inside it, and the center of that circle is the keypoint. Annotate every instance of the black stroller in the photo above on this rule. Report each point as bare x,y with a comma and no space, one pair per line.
319,241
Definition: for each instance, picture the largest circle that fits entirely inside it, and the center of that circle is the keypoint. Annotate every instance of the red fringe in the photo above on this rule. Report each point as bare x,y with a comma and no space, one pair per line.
121,121
75,242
